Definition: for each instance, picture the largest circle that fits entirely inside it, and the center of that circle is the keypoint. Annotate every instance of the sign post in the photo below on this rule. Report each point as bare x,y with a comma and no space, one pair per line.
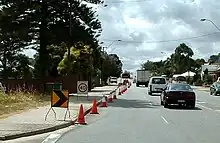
59,98
82,88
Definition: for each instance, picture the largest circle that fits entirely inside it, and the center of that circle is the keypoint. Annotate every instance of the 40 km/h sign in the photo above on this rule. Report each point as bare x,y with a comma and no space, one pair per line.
82,87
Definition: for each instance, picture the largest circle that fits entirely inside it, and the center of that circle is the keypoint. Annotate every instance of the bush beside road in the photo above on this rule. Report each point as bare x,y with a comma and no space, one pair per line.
33,122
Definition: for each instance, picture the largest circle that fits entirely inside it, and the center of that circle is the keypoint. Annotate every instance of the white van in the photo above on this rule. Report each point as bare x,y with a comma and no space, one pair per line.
155,84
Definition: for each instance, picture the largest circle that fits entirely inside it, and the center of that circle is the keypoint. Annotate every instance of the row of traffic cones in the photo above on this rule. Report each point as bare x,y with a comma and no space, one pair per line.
94,110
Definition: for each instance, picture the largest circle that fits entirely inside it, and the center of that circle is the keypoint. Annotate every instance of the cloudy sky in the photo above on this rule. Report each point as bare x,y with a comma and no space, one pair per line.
143,24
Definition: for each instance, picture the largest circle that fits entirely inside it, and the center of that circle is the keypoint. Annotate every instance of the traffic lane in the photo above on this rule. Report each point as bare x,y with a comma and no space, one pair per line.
199,125
196,125
204,99
135,117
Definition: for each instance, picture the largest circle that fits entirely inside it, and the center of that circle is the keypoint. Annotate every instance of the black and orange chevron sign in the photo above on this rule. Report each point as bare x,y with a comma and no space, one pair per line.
60,99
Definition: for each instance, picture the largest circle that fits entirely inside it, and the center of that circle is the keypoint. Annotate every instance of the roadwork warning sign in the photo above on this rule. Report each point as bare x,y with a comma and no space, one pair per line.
60,99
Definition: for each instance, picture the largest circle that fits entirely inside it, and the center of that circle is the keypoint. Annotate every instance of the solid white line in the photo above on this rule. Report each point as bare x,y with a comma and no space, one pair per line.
52,138
200,102
164,120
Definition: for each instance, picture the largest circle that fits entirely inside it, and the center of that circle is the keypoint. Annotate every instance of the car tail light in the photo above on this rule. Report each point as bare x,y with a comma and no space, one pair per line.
190,95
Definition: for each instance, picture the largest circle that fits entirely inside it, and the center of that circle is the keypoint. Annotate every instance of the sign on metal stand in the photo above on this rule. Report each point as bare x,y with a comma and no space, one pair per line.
59,98
82,88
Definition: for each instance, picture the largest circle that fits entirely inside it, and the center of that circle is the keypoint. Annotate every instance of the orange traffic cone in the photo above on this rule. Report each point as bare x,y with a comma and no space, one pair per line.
119,93
104,103
94,108
110,99
81,118
123,90
114,96
106,98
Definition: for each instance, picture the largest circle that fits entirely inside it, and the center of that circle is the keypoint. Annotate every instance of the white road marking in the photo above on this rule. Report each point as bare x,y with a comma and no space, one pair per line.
164,120
52,138
200,102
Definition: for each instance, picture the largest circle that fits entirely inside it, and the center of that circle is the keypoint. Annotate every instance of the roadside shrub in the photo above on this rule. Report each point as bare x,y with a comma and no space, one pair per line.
199,82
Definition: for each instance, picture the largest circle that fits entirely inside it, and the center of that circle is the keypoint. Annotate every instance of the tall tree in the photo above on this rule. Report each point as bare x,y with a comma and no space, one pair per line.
13,35
214,58
49,23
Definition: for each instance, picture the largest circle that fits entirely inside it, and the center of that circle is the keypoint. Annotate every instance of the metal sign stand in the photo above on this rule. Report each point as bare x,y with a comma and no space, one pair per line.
51,108
59,103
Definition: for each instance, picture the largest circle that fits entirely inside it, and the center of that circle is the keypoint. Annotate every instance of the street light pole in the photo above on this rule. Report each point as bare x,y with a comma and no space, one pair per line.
103,51
203,19
70,34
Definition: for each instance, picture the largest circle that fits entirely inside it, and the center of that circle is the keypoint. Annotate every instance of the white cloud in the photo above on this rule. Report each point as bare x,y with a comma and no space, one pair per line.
145,21
153,20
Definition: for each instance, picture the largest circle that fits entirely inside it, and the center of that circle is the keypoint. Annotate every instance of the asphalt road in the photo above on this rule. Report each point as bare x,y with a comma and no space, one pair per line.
138,117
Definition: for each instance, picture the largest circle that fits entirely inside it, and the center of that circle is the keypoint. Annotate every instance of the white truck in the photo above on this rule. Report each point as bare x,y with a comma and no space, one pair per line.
143,77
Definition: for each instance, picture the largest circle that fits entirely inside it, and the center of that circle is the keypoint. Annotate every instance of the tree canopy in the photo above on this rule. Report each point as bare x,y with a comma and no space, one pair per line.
179,62
51,28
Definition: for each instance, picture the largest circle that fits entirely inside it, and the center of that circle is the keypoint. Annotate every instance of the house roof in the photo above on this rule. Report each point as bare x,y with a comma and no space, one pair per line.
211,68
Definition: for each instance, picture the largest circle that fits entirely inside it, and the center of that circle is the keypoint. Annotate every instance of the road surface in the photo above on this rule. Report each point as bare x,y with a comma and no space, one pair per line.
138,117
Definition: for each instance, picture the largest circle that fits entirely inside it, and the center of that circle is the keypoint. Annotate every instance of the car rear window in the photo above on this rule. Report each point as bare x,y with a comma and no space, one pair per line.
180,87
158,81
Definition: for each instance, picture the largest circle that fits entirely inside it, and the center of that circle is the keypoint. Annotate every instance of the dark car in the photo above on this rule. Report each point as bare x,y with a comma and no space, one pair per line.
178,93
215,88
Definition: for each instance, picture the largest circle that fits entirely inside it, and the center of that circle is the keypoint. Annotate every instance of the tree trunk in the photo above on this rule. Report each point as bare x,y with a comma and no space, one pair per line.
43,53
5,72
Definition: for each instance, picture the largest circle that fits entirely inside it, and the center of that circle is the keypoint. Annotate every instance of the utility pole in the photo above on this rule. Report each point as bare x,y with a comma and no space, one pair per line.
70,34
103,53
188,67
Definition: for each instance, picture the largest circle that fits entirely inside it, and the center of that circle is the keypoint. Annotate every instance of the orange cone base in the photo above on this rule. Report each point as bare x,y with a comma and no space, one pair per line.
94,113
104,105
80,123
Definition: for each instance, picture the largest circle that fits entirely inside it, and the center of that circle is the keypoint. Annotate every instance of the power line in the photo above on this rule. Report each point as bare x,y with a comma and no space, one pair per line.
165,41
125,1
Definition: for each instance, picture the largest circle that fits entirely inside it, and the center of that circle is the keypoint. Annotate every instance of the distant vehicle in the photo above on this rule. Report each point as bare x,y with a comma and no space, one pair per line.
125,75
113,79
143,77
134,80
179,79
163,75
215,88
178,93
155,84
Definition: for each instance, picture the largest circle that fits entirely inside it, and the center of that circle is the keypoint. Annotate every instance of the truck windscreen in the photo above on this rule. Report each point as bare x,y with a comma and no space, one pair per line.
125,75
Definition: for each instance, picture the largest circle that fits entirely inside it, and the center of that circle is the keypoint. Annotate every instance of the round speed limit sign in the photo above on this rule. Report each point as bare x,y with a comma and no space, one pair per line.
82,87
